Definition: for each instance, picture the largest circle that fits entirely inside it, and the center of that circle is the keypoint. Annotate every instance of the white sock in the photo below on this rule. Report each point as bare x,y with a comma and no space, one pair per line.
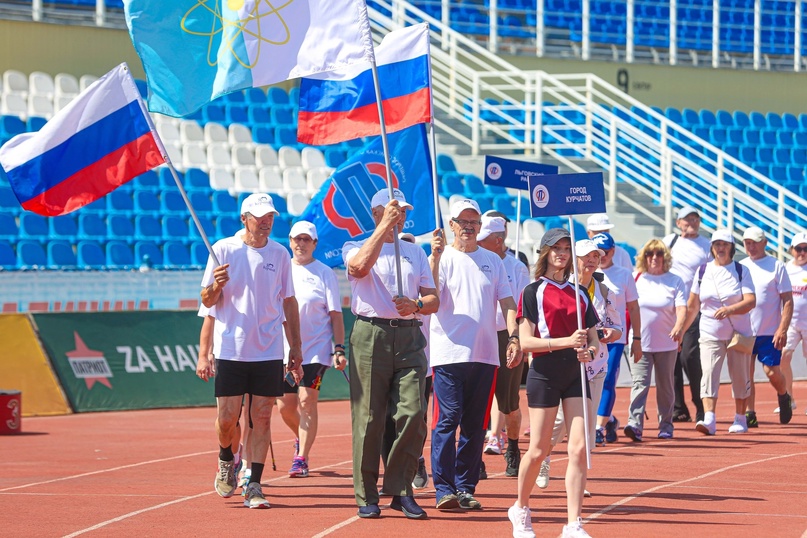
237,456
709,417
740,419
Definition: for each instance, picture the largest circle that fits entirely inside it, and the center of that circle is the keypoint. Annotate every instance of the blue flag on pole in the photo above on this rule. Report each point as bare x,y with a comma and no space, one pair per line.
566,194
341,209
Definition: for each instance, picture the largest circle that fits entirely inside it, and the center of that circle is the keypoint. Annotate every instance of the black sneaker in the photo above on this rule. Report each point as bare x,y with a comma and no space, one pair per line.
633,433
370,511
751,419
682,416
599,437
610,430
483,474
467,501
785,409
408,506
513,459
421,479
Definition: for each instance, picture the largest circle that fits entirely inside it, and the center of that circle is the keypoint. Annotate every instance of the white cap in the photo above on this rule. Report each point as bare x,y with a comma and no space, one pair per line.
303,227
798,239
585,247
258,205
381,198
598,222
722,235
686,211
754,233
490,225
406,236
461,205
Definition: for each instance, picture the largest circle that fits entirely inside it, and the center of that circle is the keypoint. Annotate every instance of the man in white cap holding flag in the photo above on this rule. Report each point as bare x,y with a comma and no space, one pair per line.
388,365
254,276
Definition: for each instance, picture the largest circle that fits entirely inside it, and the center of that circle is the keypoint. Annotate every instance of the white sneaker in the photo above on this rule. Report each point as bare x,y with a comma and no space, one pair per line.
492,446
543,475
575,530
586,493
708,429
522,522
254,497
739,426
792,406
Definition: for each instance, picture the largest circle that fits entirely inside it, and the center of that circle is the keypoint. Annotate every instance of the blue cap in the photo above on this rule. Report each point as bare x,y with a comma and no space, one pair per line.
604,241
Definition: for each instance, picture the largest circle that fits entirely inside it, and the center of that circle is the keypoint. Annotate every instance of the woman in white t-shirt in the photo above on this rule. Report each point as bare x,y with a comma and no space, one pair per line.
723,292
323,334
797,333
663,308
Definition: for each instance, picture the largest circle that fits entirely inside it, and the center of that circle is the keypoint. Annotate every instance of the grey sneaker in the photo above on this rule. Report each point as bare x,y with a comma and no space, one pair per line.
421,476
467,501
543,475
226,479
254,497
513,460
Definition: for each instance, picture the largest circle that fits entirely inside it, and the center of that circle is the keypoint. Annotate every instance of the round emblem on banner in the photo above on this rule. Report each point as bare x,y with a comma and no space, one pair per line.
540,196
494,171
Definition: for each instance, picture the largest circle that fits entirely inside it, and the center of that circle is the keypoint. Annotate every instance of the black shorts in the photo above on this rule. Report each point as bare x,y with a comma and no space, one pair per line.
554,377
312,378
259,378
508,380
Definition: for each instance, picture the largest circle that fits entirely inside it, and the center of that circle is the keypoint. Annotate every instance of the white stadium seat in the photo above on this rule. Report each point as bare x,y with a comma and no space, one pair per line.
297,202
294,180
246,180
239,134
312,158
14,104
316,177
218,156
242,155
221,179
215,132
194,156
66,85
190,131
40,83
40,105
15,82
85,80
289,157
265,155
168,132
270,180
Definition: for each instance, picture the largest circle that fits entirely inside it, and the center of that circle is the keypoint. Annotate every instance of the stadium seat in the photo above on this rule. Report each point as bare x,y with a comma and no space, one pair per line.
63,227
218,156
9,231
289,157
224,203
445,164
15,82
263,134
175,228
65,85
35,123
207,226
265,155
316,178
199,254
146,203
11,126
8,258
311,158
221,179
451,183
147,227
239,134
31,255
473,186
270,180
33,226
297,202
120,202
201,202
294,181
195,155
196,180
84,81
191,131
227,226
242,155
91,226
120,228
148,253
255,96
148,181
281,229
176,255
246,180
277,96
215,132
172,203
14,104
169,132
119,255
61,255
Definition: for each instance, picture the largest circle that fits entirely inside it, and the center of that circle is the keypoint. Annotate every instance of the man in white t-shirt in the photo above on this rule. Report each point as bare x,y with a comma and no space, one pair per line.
689,251
770,319
464,355
387,361
600,223
508,380
251,295
508,251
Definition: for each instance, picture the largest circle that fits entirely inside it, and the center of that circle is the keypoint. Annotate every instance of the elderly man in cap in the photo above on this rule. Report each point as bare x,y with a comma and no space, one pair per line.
770,319
251,296
508,380
387,361
509,251
689,251
465,355
600,223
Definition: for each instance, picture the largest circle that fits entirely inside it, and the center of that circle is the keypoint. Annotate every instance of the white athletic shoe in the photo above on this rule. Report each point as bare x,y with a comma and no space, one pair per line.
226,478
254,497
740,425
492,446
522,522
575,530
543,475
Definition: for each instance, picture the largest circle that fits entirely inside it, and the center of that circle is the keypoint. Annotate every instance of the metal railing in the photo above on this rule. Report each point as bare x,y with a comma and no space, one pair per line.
581,120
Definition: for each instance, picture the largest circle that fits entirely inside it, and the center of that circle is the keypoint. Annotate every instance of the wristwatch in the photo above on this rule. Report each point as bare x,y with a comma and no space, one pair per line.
419,304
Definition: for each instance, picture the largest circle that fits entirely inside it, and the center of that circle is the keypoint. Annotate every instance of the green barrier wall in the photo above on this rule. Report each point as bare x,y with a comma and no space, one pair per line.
137,360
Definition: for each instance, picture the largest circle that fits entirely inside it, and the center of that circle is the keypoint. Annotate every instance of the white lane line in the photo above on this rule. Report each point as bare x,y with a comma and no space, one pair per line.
680,482
336,527
176,501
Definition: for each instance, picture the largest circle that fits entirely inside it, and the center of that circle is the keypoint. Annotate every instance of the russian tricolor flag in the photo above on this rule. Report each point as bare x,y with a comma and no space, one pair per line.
101,140
341,105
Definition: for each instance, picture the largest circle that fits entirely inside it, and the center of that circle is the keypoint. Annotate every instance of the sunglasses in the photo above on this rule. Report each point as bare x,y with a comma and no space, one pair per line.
800,249
464,223
651,253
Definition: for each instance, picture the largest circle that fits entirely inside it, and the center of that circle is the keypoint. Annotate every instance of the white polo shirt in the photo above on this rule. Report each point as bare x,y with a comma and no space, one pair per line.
770,281
687,256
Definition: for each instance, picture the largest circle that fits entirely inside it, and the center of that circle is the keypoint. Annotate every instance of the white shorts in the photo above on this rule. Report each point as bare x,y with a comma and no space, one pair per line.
794,336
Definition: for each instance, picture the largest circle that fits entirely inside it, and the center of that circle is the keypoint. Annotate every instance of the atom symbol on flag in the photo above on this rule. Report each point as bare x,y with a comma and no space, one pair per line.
261,10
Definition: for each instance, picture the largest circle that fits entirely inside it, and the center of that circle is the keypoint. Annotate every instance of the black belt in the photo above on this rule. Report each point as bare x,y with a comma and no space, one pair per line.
392,322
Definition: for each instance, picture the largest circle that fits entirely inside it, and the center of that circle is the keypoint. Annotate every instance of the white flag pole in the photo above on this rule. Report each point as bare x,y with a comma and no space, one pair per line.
518,224
580,326
388,166
437,220
167,159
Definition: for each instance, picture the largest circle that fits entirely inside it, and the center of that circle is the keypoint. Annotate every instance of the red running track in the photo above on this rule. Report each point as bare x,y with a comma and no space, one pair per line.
150,473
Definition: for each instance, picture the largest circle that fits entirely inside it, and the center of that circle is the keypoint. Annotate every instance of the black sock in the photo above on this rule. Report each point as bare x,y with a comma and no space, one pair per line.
226,453
512,445
257,472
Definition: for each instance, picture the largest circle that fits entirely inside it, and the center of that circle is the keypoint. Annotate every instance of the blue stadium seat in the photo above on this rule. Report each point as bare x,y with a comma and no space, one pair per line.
91,226
11,126
334,157
741,119
798,156
175,228
63,227
176,255
8,258
752,136
61,255
120,228
31,255
146,203
237,113
258,114
451,183
167,178
294,96
149,253
196,180
445,164
90,255
795,174
779,173
784,138
147,182
199,254
473,186
148,228
690,118
768,136
781,156
255,96
277,96
734,135
227,226
707,117
286,136
224,203
8,201
34,123
172,203
717,135
282,116
800,138
119,255
235,97
724,119
207,226
757,120
765,155
214,113
281,229
119,202
201,203
33,226
790,121
9,231
264,134
674,115
774,120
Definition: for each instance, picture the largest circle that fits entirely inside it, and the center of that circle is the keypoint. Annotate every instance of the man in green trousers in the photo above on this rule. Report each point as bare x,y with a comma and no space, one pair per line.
387,361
